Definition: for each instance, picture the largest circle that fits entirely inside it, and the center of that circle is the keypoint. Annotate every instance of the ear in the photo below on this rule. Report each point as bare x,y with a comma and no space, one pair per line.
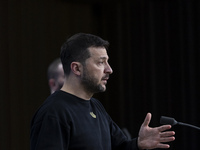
51,83
76,68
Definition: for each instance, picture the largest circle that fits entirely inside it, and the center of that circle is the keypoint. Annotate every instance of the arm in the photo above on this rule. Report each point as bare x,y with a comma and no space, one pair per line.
49,134
151,138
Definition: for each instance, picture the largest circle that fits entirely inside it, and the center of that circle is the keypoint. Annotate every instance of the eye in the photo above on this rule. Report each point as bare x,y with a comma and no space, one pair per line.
101,63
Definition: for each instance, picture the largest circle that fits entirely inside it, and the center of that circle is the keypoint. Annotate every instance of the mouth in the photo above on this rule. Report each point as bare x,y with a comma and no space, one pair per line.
105,79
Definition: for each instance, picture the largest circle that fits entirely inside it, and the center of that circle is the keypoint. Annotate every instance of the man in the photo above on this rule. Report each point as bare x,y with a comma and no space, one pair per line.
70,119
55,75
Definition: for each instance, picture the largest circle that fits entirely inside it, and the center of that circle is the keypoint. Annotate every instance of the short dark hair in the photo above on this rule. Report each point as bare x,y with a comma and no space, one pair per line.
76,49
52,72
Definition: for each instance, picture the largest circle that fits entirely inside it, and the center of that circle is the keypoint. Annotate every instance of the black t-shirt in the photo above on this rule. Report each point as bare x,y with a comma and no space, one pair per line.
66,122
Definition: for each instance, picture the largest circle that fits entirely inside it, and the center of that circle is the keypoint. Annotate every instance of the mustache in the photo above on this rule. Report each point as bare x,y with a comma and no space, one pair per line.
105,77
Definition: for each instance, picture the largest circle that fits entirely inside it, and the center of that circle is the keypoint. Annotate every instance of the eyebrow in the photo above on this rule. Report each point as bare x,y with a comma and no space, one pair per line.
104,58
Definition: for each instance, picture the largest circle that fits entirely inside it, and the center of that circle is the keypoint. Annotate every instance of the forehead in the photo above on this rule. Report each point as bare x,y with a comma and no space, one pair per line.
98,52
60,69
60,66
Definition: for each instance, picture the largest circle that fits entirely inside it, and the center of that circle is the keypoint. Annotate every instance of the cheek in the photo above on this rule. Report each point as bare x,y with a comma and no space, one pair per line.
99,75
96,74
95,71
60,81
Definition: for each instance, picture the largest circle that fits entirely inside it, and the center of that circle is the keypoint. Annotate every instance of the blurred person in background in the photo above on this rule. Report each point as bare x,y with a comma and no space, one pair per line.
55,75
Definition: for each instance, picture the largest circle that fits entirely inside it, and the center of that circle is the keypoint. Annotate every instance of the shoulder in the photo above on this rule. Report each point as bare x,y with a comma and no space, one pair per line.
55,106
55,102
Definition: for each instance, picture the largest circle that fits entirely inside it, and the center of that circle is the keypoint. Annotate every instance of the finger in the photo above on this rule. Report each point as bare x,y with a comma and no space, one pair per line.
167,139
163,145
167,133
147,119
164,127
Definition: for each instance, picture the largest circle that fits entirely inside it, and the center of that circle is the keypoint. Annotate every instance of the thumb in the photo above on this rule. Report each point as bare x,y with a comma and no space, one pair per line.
147,119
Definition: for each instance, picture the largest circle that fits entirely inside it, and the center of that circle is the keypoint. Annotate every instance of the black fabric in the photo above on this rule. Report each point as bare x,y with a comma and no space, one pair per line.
65,121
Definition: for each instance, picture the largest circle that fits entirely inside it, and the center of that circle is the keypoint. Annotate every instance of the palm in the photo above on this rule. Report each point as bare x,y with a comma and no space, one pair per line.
150,138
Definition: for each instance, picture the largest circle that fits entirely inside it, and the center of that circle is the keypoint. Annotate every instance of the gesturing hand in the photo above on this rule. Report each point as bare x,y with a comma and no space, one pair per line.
150,138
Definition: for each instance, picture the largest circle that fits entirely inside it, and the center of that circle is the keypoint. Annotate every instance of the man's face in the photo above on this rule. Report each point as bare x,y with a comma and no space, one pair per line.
96,70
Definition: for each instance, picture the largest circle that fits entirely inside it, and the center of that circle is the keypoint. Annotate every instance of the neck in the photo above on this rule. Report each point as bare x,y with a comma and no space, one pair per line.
74,88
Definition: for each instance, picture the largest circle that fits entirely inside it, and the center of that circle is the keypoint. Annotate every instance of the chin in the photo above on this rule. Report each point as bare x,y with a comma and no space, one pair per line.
104,89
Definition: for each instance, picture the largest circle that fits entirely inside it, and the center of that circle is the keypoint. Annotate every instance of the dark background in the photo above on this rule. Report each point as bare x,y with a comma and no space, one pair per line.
154,53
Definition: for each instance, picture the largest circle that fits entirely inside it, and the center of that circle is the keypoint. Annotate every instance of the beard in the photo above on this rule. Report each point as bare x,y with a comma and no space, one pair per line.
90,83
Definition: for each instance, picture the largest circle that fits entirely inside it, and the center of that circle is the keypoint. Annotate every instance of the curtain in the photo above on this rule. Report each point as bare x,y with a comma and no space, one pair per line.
154,53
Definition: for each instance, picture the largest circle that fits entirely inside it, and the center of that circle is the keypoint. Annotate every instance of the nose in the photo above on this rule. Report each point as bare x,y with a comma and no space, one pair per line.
108,69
